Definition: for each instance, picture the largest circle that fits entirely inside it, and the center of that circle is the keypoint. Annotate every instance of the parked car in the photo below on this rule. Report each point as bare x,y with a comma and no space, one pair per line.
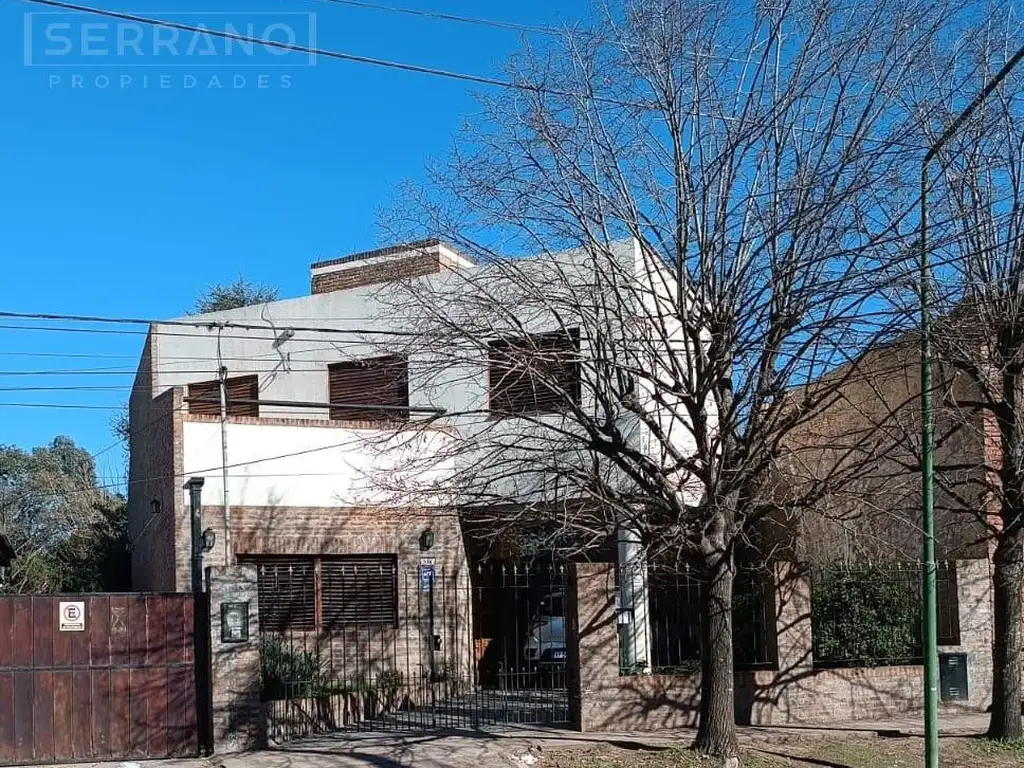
544,646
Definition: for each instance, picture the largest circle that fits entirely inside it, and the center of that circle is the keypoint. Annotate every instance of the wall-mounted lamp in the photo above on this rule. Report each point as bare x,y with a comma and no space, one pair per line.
426,540
209,540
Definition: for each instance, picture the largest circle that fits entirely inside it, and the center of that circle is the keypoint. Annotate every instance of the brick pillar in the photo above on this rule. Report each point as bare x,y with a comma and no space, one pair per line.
592,640
793,619
238,722
974,601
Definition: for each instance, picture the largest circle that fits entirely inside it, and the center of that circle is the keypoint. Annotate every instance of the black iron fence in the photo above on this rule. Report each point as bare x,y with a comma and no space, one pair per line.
458,648
865,616
660,620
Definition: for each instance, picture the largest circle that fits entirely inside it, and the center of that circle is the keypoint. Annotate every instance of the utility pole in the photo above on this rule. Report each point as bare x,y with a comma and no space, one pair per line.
929,566
223,375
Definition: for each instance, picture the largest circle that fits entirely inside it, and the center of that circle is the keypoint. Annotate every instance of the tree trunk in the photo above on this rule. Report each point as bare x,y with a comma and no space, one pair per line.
1007,656
716,731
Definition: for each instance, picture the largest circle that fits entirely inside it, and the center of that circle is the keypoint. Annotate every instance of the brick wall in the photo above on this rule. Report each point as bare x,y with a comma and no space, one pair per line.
154,475
365,531
383,265
238,722
796,692
861,448
372,274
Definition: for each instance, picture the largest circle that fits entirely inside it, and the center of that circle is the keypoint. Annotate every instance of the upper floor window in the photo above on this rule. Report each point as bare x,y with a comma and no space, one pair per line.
374,390
242,394
535,374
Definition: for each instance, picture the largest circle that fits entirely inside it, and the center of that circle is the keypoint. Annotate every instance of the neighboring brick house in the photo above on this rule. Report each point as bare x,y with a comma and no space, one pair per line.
861,453
854,464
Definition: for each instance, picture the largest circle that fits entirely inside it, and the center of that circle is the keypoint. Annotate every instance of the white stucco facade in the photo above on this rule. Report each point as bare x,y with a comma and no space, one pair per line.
271,465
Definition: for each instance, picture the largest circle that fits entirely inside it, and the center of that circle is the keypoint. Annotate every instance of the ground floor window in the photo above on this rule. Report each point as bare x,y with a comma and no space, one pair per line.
304,593
668,639
865,616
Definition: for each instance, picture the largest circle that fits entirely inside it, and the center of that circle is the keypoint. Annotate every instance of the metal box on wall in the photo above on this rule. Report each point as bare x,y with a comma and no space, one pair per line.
953,676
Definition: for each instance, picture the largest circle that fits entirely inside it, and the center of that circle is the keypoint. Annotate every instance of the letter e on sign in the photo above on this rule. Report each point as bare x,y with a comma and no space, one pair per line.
72,617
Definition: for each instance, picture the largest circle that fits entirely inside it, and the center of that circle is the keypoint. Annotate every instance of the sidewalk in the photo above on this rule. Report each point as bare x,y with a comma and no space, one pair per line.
517,747
508,746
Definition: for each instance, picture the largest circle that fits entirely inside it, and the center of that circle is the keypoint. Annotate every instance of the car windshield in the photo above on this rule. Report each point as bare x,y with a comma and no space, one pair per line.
552,605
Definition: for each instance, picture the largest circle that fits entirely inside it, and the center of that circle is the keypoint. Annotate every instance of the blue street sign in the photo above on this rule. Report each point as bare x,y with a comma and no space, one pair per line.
426,577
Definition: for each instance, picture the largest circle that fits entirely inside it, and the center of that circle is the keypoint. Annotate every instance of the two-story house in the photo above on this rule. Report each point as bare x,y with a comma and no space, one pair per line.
320,464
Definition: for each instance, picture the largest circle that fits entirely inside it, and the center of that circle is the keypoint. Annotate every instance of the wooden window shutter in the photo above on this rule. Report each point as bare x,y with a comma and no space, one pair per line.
238,390
209,391
359,590
536,374
360,387
286,587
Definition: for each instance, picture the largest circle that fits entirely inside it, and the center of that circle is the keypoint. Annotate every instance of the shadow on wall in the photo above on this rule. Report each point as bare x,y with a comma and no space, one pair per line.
795,692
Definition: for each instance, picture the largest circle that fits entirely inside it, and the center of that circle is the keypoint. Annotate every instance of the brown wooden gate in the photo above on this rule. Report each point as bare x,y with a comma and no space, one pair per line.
120,686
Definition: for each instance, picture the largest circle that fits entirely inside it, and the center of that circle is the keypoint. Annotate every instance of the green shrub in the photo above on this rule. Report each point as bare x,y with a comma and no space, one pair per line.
389,682
865,617
288,673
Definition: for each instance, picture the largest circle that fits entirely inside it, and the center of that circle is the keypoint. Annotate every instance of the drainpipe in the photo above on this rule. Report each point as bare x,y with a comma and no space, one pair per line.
634,614
195,499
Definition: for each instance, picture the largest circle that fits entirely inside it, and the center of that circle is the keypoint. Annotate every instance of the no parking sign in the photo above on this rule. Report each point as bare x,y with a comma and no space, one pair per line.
71,617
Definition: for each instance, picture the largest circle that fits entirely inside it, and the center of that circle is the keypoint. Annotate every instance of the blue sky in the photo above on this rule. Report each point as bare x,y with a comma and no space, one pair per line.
127,196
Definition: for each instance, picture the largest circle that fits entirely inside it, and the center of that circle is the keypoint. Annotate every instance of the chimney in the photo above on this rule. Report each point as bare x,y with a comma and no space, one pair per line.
396,262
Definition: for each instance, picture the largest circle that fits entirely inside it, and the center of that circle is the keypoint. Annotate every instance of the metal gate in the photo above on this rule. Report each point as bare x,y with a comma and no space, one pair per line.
97,677
456,648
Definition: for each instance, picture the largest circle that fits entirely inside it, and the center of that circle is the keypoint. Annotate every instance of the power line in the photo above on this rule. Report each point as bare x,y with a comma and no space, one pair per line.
387,63
219,467
210,324
86,388
70,355
439,16
66,406
183,334
290,47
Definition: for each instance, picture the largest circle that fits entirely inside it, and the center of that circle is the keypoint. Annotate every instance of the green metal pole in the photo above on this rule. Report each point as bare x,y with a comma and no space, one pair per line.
928,580
929,587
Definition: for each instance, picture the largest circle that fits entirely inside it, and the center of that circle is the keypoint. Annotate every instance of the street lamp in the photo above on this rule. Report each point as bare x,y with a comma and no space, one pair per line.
929,588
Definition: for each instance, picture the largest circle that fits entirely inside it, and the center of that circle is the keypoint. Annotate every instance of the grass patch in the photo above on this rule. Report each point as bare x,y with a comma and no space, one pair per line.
803,753
674,757
999,748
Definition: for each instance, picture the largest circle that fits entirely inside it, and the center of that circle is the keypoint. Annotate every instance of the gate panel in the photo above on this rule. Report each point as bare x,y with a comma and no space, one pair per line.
120,712
23,746
122,688
6,716
102,703
42,716
63,713
460,648
81,714
21,650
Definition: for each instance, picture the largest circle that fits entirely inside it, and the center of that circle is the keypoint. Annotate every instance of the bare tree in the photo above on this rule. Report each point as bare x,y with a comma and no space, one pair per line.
714,191
977,202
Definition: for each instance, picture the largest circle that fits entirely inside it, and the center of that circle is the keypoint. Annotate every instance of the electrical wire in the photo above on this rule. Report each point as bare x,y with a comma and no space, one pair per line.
439,16
402,66
218,468
210,323
283,46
